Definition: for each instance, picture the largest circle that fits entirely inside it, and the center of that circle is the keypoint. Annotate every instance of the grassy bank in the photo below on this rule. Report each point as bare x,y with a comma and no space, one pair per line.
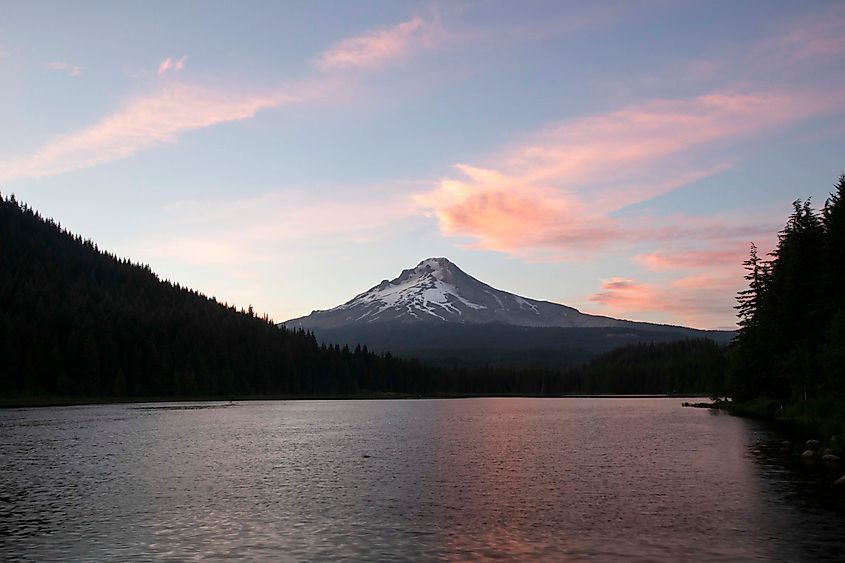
822,419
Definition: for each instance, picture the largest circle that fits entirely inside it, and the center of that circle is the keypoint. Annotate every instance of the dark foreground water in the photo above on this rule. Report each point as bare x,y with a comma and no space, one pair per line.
551,479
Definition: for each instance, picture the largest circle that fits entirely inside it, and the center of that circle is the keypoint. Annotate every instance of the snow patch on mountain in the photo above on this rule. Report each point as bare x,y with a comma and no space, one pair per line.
436,290
423,289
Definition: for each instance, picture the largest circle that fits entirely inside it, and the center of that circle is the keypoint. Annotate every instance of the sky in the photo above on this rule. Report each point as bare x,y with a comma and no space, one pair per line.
618,157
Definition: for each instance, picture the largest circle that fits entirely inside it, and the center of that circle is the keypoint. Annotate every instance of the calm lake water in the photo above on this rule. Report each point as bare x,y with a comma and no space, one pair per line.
551,479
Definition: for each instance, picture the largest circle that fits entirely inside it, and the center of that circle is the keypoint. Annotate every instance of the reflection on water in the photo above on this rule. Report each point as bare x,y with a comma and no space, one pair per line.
565,479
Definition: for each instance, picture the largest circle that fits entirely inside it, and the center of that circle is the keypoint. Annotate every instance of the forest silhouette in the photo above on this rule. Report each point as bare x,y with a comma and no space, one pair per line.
76,321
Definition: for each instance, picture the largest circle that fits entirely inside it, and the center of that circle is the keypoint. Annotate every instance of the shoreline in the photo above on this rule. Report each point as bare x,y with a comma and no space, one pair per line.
44,402
815,437
824,417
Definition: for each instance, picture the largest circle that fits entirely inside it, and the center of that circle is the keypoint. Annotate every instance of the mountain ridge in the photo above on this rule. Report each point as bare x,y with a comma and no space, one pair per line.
438,313
436,290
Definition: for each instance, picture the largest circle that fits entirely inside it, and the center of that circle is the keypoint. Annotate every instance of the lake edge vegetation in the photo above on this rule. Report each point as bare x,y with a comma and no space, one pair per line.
787,361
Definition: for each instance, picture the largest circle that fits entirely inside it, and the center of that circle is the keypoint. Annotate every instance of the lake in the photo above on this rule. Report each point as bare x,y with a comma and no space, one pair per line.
552,479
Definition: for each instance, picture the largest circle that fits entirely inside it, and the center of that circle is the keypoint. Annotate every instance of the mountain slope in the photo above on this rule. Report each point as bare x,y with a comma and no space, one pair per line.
438,291
75,321
438,313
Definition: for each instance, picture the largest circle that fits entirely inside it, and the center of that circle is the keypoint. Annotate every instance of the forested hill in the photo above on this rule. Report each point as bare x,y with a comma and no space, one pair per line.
77,321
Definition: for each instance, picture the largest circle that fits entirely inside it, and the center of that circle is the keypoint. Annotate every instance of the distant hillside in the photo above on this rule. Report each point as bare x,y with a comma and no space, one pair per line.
77,321
468,346
438,313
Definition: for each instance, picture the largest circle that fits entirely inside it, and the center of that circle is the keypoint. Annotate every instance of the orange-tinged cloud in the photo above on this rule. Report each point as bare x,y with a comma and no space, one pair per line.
382,46
625,295
560,189
689,259
701,293
697,301
506,215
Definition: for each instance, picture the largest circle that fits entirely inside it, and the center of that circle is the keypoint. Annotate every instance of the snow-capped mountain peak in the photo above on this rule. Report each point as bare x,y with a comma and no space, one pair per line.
437,291
429,289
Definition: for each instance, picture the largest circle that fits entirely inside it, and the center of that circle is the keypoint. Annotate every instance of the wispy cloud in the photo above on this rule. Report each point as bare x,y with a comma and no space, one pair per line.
172,65
814,37
163,116
800,50
691,259
71,69
697,301
383,46
256,229
141,123
561,188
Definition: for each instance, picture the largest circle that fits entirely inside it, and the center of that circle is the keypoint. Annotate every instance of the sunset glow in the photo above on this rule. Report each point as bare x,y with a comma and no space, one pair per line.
563,153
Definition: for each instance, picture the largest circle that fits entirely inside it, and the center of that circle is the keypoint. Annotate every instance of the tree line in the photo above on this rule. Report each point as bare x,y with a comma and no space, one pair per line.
78,321
791,341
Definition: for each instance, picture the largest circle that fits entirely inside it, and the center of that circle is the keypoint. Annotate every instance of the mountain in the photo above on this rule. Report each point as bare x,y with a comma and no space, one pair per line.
439,313
438,291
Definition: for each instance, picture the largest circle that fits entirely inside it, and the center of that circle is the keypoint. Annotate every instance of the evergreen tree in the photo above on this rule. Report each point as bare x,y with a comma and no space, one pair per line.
752,361
833,218
792,314
791,341
832,355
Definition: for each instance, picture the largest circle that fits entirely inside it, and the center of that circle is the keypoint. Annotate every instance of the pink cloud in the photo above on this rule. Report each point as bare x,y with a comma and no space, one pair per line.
163,116
172,65
382,46
503,214
605,150
141,123
628,295
697,301
690,259
559,189
702,296
557,196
